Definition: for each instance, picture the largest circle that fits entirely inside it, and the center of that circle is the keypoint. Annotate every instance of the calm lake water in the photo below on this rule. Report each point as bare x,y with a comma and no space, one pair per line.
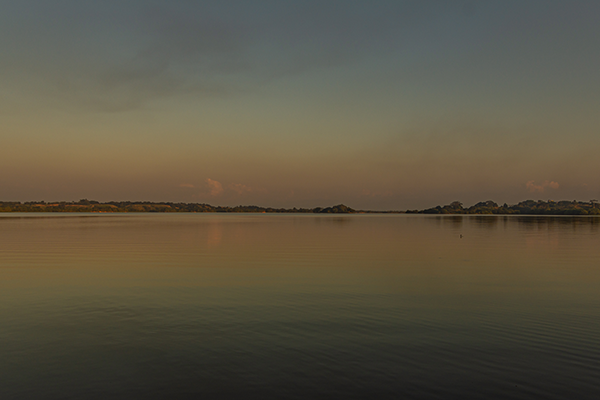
176,306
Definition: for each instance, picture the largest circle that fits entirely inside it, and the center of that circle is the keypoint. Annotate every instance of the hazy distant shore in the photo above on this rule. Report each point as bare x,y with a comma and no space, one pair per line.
528,207
147,206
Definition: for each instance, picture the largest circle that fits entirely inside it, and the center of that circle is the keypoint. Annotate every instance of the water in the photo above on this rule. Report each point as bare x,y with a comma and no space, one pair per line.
176,306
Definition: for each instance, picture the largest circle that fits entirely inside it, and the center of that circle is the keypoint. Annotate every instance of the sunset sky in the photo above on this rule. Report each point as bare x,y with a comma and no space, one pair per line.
374,104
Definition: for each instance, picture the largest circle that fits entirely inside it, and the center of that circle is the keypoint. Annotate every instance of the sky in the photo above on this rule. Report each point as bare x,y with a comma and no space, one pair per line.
382,105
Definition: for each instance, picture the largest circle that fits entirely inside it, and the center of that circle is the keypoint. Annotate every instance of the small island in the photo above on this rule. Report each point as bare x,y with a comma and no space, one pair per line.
528,207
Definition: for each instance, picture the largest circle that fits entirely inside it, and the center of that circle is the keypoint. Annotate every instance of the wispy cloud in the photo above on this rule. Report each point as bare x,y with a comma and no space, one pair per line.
240,188
534,188
201,49
370,193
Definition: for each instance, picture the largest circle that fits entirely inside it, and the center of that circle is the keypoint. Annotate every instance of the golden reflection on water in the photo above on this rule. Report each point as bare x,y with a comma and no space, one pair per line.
382,250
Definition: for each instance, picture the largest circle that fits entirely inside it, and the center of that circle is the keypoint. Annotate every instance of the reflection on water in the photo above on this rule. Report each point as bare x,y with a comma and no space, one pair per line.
297,306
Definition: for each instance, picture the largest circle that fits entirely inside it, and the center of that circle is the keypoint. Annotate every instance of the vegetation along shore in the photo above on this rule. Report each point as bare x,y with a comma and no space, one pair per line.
486,207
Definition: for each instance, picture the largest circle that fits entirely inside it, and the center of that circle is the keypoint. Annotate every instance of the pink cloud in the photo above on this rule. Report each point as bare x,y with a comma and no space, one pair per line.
215,187
533,188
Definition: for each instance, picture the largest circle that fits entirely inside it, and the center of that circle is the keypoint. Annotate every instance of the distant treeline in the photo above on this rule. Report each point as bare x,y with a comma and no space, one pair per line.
85,205
486,207
525,207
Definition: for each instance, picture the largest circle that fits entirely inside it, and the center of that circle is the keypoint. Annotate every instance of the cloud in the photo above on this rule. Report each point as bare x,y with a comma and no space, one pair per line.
216,188
240,188
116,57
533,188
